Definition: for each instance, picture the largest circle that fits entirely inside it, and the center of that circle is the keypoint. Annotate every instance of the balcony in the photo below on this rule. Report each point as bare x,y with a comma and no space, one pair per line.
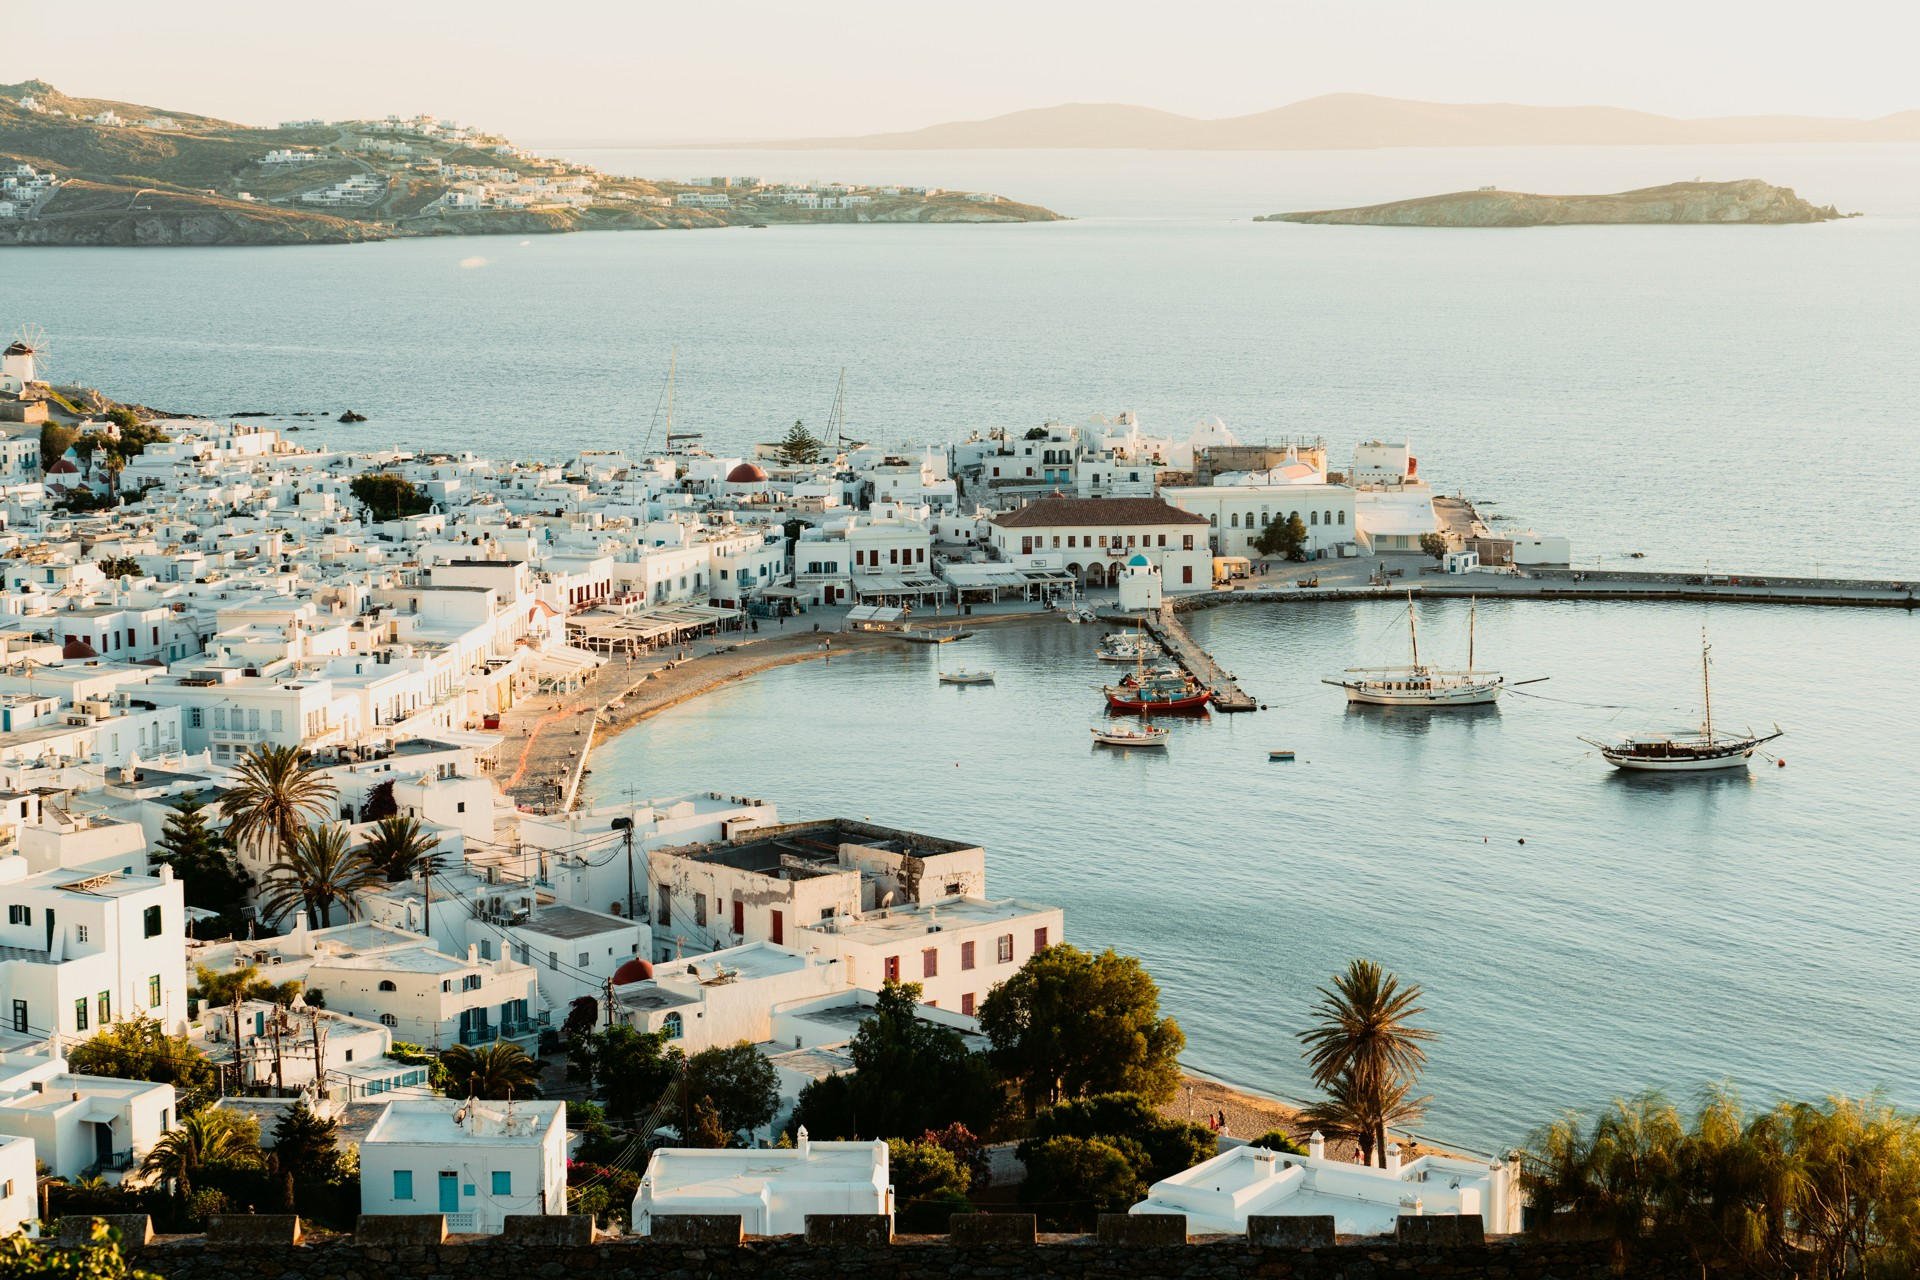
482,1034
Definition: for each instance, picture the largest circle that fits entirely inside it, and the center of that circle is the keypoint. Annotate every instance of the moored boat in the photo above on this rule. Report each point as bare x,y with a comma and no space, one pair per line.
1122,646
1417,684
964,676
1699,752
1129,736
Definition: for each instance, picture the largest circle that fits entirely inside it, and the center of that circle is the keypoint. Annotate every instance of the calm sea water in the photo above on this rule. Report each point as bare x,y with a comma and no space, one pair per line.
1738,396
1648,932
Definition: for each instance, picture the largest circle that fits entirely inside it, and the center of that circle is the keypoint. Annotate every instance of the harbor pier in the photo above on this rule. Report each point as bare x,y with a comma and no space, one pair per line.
1172,635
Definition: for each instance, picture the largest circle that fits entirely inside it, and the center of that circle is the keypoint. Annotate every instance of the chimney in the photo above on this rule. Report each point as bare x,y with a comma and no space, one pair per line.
1317,1146
1393,1159
801,1143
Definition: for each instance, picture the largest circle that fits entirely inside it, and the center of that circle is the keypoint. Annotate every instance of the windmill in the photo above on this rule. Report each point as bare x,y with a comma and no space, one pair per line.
25,359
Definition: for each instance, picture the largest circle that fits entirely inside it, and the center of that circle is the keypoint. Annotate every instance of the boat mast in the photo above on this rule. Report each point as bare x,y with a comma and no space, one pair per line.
1473,609
1413,632
1706,681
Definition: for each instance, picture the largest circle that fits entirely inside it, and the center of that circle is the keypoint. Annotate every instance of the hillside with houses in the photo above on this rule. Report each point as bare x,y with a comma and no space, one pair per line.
82,171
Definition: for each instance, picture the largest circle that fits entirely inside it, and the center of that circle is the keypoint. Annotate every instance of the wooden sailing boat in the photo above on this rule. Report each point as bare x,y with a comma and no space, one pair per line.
1686,752
1420,685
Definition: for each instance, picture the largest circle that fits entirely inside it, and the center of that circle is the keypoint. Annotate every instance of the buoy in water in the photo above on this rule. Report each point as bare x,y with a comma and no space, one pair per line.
1523,839
1782,762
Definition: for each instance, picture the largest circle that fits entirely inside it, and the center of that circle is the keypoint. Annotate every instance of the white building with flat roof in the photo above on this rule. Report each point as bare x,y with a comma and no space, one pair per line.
1219,1195
772,1190
957,949
81,1126
475,1162
19,1203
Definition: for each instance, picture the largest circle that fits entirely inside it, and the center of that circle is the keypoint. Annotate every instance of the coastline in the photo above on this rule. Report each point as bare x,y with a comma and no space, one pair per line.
547,740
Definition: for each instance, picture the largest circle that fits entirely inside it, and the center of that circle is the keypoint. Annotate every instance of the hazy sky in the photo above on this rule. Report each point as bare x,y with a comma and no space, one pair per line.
598,70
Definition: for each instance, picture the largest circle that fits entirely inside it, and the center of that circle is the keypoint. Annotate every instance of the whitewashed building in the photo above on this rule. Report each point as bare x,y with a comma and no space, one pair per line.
772,1191
475,1162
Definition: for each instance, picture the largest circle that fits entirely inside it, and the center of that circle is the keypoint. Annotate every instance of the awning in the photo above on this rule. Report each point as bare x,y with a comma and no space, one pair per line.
780,593
969,577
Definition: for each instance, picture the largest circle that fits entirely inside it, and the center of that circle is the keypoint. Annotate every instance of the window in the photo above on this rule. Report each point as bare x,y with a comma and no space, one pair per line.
1039,940
665,899
585,959
105,1006
80,931
1343,518
700,909
19,1015
388,1020
1006,949
966,1004
930,963
80,1014
673,1026
890,968
473,979
966,955
153,992
387,984
151,919
403,1184
17,914
502,1182
193,717
1186,573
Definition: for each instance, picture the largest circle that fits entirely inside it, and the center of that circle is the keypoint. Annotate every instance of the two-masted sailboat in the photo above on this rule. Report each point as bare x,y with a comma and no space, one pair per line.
1685,752
1419,685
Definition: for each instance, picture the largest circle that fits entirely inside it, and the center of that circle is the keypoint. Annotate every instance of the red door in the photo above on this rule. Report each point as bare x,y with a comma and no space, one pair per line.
739,918
779,928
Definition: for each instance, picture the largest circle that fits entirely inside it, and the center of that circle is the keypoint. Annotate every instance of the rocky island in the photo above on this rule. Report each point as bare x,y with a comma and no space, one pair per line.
1748,201
86,171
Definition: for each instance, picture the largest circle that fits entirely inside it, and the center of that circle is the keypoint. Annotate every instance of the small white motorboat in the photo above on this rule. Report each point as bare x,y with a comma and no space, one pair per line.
1145,735
964,676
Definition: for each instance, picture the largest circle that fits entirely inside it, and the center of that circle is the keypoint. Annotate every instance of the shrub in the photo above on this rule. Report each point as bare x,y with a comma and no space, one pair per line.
1071,1181
1279,1140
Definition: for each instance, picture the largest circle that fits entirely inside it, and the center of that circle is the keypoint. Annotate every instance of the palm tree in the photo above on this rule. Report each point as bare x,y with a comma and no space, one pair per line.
273,796
1361,1115
498,1070
400,846
201,1139
1364,1044
323,868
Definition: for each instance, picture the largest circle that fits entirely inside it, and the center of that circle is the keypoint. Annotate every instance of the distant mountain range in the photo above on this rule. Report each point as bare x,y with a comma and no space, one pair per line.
1352,121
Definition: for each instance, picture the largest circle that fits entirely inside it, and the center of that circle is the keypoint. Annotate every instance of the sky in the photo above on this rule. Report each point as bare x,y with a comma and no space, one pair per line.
587,71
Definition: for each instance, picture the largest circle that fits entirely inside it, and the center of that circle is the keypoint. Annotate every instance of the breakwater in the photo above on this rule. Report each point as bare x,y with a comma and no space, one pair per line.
1568,584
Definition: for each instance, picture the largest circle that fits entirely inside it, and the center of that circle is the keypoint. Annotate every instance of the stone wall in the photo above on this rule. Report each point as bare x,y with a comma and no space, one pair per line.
936,1258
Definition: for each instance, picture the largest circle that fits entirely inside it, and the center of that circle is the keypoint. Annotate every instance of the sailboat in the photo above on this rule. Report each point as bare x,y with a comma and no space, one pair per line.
1420,685
1685,752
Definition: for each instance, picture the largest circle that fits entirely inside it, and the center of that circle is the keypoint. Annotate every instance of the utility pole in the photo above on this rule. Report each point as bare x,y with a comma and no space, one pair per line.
626,825
607,992
279,1072
319,1056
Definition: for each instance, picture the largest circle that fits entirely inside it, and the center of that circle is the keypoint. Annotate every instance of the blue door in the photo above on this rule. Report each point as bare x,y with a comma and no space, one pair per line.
449,1193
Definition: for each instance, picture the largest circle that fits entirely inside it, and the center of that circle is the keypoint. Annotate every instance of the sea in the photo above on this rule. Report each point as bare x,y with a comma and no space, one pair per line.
1741,399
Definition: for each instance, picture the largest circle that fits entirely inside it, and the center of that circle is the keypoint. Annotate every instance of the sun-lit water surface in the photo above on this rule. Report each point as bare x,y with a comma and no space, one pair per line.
1649,931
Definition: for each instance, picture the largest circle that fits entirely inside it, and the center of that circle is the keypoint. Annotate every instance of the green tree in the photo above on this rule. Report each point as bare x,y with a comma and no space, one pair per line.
274,794
1434,544
99,1258
323,870
800,447
1159,1146
1365,1051
738,1081
305,1145
202,860
497,1071
631,1068
123,417
199,1142
1071,1023
1279,1140
1070,1181
55,440
140,1049
909,1076
389,497
1284,536
929,1184
400,848
119,567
